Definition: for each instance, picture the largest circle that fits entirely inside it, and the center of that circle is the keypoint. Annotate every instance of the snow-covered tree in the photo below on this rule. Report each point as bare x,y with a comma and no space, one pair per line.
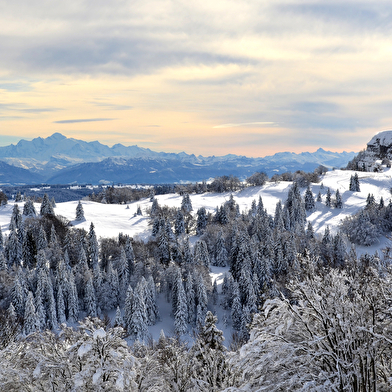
79,212
328,200
201,223
46,206
186,204
31,323
334,337
338,200
309,200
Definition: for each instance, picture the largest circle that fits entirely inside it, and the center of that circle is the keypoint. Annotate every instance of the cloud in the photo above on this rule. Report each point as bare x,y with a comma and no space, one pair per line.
24,108
82,120
259,123
112,106
307,67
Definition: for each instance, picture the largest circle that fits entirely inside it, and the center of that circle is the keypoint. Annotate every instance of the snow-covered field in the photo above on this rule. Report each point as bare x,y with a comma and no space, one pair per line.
111,219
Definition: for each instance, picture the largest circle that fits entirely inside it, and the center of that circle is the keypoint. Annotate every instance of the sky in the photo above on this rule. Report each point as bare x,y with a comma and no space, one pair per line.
249,77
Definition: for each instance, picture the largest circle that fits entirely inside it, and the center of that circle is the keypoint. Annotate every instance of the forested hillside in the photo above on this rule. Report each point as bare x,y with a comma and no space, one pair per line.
271,287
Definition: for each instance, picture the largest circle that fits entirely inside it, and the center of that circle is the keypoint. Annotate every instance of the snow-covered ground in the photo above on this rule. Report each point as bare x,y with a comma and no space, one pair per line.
111,219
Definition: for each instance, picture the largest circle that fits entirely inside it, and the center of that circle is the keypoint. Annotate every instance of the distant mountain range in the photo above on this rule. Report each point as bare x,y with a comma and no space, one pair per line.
61,160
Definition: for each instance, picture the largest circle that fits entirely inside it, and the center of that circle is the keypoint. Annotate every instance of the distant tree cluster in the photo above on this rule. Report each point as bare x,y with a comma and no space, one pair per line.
367,225
302,178
257,179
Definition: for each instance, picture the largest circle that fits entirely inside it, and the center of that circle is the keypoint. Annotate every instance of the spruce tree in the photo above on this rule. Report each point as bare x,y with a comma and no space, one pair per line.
31,323
356,183
118,320
236,309
221,254
328,198
46,206
60,306
79,212
186,204
338,200
138,323
179,225
90,302
201,223
181,314
93,248
309,200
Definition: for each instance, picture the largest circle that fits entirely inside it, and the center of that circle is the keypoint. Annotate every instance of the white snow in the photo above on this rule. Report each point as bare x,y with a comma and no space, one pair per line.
99,333
111,219
84,349
385,138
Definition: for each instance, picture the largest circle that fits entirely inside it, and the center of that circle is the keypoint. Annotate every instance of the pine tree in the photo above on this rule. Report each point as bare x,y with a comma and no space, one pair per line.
30,316
338,200
93,248
278,219
221,254
137,327
122,269
211,366
187,254
352,184
118,320
310,231
319,199
163,246
60,306
328,198
236,309
42,242
181,314
356,183
46,206
201,254
79,212
73,302
16,218
130,256
90,302
179,225
18,197
191,300
201,221
309,200
253,208
151,301
128,308
155,208
201,297
186,204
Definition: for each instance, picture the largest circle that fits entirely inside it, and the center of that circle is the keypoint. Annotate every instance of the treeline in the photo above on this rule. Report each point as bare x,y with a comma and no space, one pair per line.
123,195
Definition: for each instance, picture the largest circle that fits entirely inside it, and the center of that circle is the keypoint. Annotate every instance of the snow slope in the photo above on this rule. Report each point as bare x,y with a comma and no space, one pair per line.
111,219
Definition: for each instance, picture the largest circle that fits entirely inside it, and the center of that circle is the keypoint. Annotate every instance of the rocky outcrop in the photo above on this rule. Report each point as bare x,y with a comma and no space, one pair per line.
378,153
381,145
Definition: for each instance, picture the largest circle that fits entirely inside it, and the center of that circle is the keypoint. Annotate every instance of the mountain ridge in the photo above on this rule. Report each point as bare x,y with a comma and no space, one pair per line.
59,159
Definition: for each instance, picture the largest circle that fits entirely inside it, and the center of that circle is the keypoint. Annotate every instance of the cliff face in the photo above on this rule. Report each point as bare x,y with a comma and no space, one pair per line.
381,145
378,153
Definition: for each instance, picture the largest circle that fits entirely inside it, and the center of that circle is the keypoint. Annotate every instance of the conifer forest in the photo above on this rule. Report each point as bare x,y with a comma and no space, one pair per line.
301,311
